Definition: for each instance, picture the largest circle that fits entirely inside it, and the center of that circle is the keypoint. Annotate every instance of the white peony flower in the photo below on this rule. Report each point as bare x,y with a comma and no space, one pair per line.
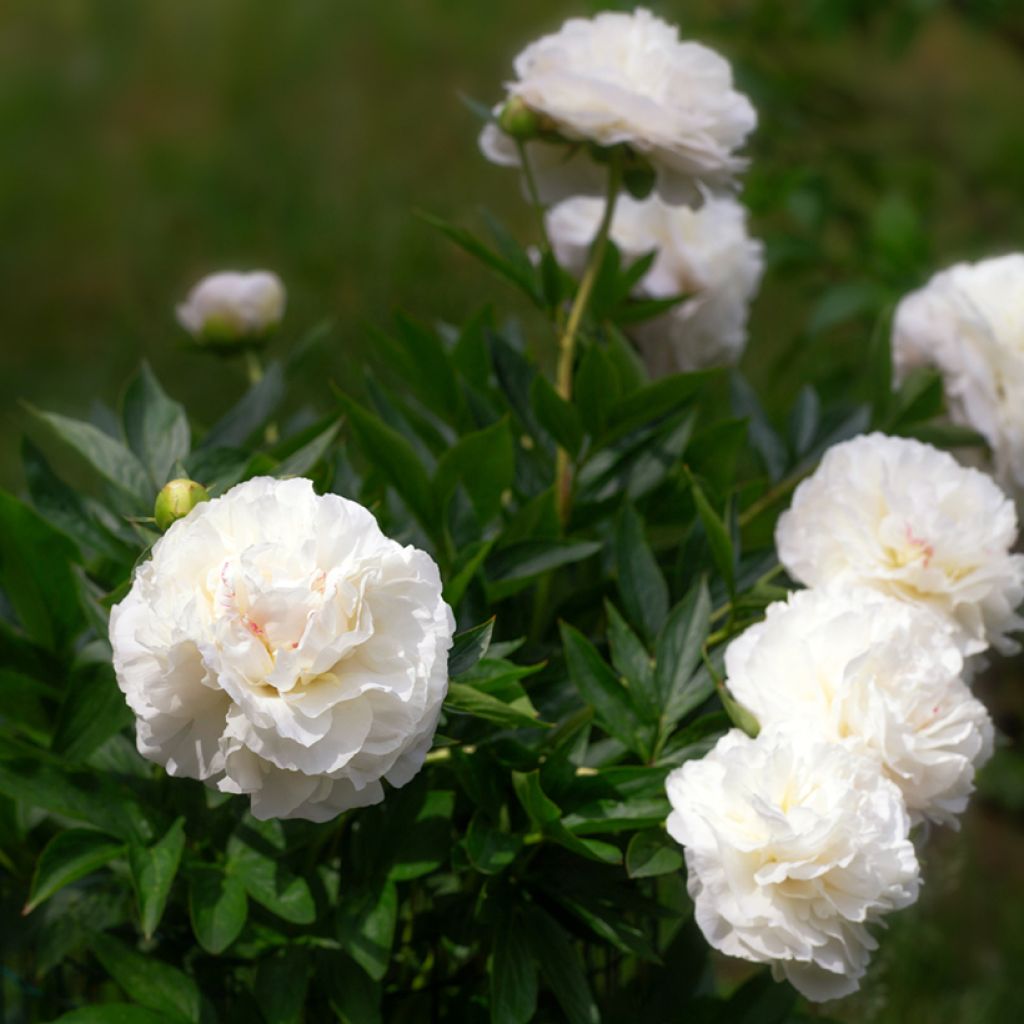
905,519
276,643
793,847
968,322
873,673
705,254
626,79
230,307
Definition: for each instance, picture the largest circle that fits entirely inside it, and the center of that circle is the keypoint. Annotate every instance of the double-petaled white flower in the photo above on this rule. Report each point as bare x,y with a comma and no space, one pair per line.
968,322
277,644
231,307
626,79
905,519
705,254
794,846
870,672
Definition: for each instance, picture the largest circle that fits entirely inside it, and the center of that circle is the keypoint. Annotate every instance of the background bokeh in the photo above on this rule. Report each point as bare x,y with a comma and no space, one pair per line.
145,144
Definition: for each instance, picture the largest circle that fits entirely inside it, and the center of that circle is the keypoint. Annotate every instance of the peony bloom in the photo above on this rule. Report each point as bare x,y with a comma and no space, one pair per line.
877,675
793,847
626,79
231,307
276,643
968,322
705,254
905,519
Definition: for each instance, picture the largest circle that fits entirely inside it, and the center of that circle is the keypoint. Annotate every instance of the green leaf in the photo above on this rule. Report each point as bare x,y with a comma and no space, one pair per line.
764,439
920,398
633,663
353,996
945,435
467,565
596,389
428,368
546,817
654,400
93,710
805,420
652,853
250,413
484,463
150,982
302,461
641,584
153,870
113,1013
217,906
513,973
678,652
366,927
156,426
600,688
527,559
426,842
36,575
489,850
255,855
561,966
467,699
107,456
66,858
396,459
718,538
280,986
560,419
469,646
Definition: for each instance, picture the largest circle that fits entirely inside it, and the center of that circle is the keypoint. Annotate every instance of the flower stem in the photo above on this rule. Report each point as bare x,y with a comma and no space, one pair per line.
567,341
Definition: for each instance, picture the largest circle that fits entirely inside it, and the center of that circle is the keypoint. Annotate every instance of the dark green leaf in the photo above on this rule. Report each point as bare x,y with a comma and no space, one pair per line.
513,973
718,538
217,906
678,650
484,463
654,400
280,986
426,842
805,420
641,584
561,967
353,996
390,453
303,459
600,688
633,663
527,559
153,871
556,415
596,389
467,565
113,1013
366,927
149,981
36,575
490,850
763,437
156,426
471,701
255,856
66,858
652,853
469,646
250,413
93,710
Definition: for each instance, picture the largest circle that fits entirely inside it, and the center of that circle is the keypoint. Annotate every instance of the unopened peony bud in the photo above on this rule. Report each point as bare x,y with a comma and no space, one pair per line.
230,307
518,120
176,500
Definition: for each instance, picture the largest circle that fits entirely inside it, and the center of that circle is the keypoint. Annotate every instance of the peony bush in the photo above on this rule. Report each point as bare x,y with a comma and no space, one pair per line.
507,682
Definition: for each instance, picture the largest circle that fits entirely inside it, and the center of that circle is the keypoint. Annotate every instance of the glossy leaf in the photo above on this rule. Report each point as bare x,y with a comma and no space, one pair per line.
153,872
67,857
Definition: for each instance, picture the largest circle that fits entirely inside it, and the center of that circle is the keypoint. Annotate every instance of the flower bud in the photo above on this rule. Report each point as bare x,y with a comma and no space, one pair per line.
176,500
518,120
231,308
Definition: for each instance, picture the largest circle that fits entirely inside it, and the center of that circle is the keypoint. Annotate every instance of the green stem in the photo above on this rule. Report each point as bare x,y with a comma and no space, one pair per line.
531,188
253,367
772,495
567,342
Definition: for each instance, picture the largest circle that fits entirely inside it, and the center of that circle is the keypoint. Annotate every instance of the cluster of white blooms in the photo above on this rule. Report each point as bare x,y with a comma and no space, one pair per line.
705,254
230,307
277,644
626,80
968,322
797,840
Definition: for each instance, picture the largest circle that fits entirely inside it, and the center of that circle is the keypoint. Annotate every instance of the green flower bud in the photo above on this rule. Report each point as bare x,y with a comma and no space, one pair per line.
176,500
518,120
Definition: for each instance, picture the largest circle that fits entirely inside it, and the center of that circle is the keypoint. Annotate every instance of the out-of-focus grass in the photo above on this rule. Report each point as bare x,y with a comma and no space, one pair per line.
144,144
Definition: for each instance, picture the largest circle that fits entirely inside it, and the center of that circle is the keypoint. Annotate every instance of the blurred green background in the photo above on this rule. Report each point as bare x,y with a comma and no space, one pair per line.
145,144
